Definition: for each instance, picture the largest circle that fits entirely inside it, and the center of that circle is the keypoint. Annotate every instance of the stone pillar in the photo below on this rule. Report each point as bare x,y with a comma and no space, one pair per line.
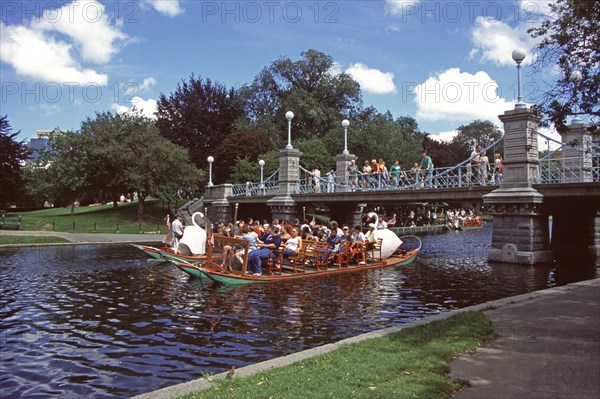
283,205
341,170
521,156
218,207
577,154
520,228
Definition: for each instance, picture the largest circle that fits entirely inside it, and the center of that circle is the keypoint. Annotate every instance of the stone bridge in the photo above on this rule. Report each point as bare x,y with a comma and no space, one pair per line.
565,185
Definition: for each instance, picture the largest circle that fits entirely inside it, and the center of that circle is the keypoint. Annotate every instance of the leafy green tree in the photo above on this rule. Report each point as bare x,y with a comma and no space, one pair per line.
443,154
13,154
68,167
374,135
307,87
125,153
243,144
477,132
570,39
198,115
37,184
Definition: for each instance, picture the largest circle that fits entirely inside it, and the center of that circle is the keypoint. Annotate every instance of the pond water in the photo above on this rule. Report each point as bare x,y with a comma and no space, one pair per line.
104,322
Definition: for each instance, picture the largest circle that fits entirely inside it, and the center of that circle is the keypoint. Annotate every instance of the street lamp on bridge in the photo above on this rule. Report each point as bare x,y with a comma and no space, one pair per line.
518,56
289,116
345,124
210,160
261,163
575,77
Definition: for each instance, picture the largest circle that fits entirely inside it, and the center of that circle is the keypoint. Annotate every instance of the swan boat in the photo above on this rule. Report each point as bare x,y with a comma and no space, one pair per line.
190,248
467,224
227,261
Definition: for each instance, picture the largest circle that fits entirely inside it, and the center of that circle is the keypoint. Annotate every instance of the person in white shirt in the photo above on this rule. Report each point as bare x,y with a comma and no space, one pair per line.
177,231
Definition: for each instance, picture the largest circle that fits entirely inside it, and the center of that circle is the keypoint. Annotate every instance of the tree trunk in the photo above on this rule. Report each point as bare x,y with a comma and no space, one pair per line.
140,209
115,197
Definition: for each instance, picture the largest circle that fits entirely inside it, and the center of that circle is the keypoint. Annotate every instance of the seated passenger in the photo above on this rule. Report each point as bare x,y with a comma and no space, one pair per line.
293,244
270,243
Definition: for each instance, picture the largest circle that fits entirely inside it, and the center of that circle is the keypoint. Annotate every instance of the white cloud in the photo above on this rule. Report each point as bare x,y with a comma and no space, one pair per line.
400,7
445,137
530,8
147,83
88,25
494,41
34,55
47,47
460,96
132,88
146,107
372,80
171,8
45,109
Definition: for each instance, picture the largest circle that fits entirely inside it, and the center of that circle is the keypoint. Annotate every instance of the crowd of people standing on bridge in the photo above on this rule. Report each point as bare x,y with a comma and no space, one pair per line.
376,174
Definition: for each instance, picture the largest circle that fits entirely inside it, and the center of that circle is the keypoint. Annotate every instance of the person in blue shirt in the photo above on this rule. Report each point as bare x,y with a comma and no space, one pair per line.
272,242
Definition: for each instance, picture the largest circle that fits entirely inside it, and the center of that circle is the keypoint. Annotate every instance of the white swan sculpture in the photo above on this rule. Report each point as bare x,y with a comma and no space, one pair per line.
194,238
390,242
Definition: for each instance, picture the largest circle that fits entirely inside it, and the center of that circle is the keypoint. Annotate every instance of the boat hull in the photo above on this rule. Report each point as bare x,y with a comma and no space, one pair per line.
164,254
218,275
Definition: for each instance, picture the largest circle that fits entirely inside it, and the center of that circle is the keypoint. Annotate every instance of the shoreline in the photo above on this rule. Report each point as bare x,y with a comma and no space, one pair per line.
199,384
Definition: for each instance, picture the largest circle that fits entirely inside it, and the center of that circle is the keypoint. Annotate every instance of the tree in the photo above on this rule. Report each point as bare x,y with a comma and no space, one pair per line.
369,129
443,154
67,167
198,115
239,145
570,39
126,153
318,97
477,132
13,154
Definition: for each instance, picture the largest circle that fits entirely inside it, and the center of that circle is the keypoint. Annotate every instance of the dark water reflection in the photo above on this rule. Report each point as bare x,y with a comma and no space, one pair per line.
101,321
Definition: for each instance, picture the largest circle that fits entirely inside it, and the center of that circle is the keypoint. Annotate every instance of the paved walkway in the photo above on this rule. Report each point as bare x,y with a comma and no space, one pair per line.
89,238
547,347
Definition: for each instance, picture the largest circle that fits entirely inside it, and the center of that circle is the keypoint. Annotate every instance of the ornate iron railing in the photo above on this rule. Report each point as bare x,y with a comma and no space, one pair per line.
268,187
553,168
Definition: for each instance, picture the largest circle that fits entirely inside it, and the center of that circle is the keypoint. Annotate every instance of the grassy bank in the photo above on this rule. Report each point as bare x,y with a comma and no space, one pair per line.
12,240
412,363
97,219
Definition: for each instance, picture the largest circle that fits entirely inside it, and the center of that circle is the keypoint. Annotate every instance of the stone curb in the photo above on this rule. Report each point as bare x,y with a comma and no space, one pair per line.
247,371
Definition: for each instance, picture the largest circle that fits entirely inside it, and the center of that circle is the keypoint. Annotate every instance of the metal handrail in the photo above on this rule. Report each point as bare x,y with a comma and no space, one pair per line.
553,168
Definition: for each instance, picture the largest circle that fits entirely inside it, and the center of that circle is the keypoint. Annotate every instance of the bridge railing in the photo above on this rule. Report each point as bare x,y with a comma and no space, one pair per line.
557,169
269,187
553,168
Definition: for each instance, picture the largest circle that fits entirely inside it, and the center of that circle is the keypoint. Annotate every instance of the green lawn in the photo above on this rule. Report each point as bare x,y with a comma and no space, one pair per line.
100,219
412,363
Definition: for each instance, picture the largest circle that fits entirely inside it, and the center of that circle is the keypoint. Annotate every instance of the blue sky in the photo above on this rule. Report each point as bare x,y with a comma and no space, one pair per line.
444,63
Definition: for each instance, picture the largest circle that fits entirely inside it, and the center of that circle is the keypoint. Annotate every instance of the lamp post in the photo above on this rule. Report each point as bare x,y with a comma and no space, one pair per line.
575,77
518,56
210,160
261,163
289,116
345,124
